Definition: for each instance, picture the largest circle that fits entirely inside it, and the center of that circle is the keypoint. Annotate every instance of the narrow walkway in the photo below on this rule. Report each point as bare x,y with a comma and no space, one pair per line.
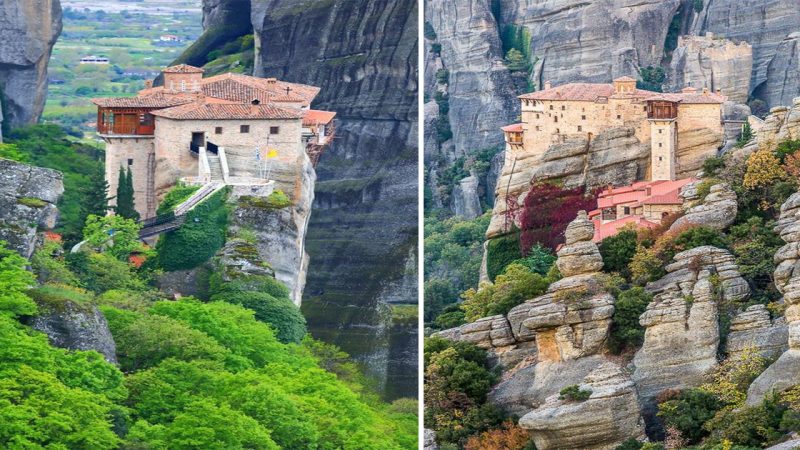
173,220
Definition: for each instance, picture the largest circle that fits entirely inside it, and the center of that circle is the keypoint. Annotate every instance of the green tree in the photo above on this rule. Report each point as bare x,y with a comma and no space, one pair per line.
116,235
515,60
746,135
95,196
280,312
14,281
625,329
618,251
688,411
125,203
515,285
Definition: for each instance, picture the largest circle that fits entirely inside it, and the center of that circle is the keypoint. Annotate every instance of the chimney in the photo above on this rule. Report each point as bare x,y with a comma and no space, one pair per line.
719,91
148,84
272,80
688,90
705,91
648,191
547,85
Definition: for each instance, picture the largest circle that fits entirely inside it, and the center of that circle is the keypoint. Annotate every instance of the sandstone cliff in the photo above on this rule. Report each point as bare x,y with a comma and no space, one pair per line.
765,25
28,198
713,63
28,31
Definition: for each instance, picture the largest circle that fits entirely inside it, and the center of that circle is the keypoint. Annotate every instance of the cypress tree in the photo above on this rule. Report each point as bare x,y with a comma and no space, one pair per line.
125,203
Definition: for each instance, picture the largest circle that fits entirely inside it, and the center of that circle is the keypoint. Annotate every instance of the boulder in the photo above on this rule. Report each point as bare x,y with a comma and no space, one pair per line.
75,326
607,418
28,198
466,200
717,210
754,329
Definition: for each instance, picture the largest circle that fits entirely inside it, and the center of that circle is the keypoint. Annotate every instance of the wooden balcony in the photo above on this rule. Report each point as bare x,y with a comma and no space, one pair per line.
662,110
125,121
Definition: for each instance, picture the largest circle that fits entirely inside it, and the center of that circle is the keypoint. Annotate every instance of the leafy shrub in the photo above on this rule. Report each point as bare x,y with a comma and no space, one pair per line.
698,6
14,282
50,266
751,426
539,260
689,411
280,312
547,211
733,376
198,239
574,393
787,148
652,78
442,76
646,266
451,317
429,32
100,272
618,251
763,170
515,61
177,195
626,332
113,234
515,285
698,237
438,293
500,252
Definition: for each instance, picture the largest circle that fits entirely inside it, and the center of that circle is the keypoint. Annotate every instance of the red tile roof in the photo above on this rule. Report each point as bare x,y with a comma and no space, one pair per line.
317,117
183,68
155,101
515,128
202,110
590,92
604,230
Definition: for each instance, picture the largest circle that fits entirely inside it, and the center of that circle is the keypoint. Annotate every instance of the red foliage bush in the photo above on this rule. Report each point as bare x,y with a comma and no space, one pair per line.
547,211
509,437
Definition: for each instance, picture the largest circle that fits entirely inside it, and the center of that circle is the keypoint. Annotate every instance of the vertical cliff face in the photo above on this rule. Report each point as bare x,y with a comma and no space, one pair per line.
28,31
764,24
362,53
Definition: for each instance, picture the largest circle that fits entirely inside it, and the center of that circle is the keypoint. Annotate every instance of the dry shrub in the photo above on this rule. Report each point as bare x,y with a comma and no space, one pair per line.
509,437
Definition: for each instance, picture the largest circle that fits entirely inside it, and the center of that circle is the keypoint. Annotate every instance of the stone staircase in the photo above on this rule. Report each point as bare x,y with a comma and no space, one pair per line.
172,221
215,166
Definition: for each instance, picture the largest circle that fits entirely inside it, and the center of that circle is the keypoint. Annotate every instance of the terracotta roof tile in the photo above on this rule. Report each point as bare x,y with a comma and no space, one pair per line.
227,111
183,68
156,101
317,117
515,128
604,230
590,92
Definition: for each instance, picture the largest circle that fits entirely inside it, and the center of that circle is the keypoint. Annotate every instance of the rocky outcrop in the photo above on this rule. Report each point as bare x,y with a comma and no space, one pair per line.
224,13
764,25
754,330
714,63
28,198
681,327
614,156
785,372
607,418
783,73
717,210
466,202
481,92
28,31
782,124
75,326
575,40
283,251
363,55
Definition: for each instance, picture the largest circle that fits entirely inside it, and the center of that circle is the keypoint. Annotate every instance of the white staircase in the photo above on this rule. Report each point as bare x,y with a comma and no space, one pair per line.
201,194
215,167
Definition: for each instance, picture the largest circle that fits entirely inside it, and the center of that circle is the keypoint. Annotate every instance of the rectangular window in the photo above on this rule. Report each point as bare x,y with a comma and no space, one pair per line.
551,107
244,129
563,108
274,130
660,130
218,130
555,119
660,144
130,161
626,210
537,116
583,117
538,128
619,116
580,128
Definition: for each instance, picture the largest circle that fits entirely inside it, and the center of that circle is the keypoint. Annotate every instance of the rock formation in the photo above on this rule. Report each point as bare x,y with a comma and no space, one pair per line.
782,124
363,54
575,40
466,200
681,327
28,31
785,372
284,251
765,25
557,340
713,63
614,156
28,197
717,210
75,326
480,90
607,418
754,329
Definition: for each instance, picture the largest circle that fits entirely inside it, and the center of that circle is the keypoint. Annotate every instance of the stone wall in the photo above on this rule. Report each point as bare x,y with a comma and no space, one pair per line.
134,153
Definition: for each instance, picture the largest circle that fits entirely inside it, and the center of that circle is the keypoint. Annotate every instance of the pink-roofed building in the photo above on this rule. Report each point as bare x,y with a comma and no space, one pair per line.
643,204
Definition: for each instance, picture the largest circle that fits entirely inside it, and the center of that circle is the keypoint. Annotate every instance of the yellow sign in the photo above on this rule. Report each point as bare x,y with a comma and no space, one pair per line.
272,153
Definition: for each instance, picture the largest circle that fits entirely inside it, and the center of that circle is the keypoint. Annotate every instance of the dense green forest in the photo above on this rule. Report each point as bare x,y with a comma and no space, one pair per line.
232,370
